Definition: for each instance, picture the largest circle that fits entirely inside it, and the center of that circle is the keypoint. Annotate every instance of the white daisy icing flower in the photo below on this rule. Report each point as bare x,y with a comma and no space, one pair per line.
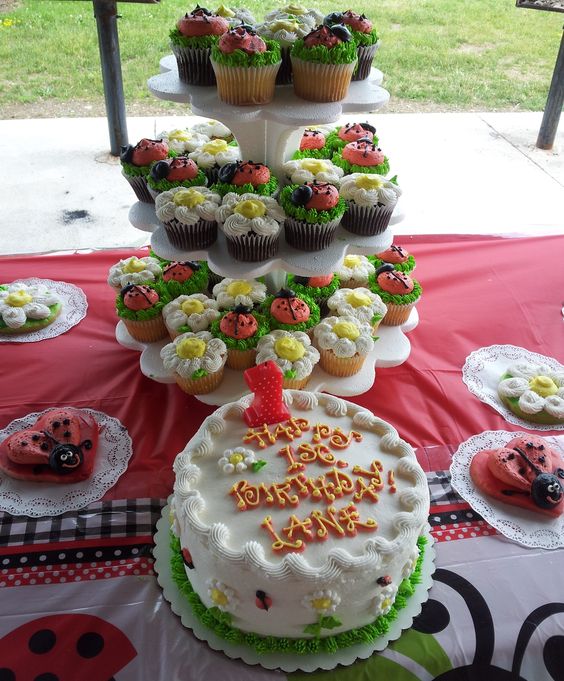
222,596
537,387
183,141
310,169
194,353
346,336
236,15
196,311
291,350
215,153
384,600
357,302
20,302
410,564
134,271
212,129
236,460
188,206
369,190
285,29
311,16
232,292
356,269
244,213
322,602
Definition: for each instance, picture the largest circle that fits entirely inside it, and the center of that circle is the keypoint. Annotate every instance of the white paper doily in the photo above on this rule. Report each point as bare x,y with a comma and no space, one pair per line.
36,499
519,524
285,661
484,367
73,311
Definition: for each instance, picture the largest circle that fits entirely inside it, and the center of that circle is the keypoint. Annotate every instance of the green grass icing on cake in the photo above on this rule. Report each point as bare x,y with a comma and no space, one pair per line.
312,216
240,58
197,283
323,153
200,41
335,143
315,292
144,315
221,622
406,267
342,53
32,324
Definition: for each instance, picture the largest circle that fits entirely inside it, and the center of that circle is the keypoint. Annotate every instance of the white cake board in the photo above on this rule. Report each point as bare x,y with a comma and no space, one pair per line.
285,661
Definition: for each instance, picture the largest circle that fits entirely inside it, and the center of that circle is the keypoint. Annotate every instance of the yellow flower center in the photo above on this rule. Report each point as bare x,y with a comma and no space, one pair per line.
352,260
188,197
250,208
224,11
284,25
358,299
134,265
289,348
321,603
369,182
236,458
239,288
215,146
190,348
179,135
386,603
218,597
346,330
295,9
18,298
543,386
192,306
314,165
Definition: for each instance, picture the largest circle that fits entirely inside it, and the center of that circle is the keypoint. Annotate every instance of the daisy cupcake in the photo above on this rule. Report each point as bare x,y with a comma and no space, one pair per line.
397,256
313,144
344,343
140,307
189,313
304,170
534,392
185,277
213,155
183,140
213,129
356,270
251,224
197,361
285,29
236,15
371,200
136,164
240,329
362,156
246,177
293,352
189,216
134,270
287,311
350,132
398,290
360,303
313,17
27,307
319,288
232,292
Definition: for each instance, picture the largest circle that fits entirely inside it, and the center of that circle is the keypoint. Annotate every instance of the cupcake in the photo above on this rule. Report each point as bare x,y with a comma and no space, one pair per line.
362,156
213,129
344,343
319,288
236,15
359,303
287,311
246,177
323,63
398,290
27,307
303,170
251,224
370,200
197,361
213,155
313,145
134,270
189,216
285,29
313,17
230,293
313,213
240,329
192,313
245,67
401,259
185,277
183,140
140,307
534,392
363,34
350,132
355,271
191,41
136,163
293,352
174,172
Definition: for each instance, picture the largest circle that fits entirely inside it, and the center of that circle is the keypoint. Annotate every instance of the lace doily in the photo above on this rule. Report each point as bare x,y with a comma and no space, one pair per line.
36,499
484,367
73,310
518,524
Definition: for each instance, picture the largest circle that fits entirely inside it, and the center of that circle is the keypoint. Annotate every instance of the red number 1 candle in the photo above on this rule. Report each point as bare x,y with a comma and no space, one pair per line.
265,380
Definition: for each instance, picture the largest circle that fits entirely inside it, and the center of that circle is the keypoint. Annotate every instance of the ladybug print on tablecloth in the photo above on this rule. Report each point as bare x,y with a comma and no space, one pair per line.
287,308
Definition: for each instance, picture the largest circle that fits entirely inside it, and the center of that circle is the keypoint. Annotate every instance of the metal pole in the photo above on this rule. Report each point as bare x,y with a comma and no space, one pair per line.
105,12
554,102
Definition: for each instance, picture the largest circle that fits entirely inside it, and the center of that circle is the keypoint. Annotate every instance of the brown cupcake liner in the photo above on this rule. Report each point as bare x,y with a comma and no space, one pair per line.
352,283
365,55
147,330
191,237
307,236
321,82
200,386
397,314
295,383
252,248
367,220
340,366
139,185
284,75
245,86
241,359
194,65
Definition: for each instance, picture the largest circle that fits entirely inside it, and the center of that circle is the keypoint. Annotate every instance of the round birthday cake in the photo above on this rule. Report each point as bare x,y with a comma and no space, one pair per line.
297,520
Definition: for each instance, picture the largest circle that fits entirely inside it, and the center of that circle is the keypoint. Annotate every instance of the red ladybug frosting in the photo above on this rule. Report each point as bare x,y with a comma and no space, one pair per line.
320,282
357,22
179,271
324,35
202,22
241,38
287,308
252,173
356,131
394,282
312,139
239,323
363,153
394,255
324,196
146,151
139,297
181,168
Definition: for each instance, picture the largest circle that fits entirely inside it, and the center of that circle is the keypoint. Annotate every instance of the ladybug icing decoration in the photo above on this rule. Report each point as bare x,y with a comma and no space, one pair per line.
144,152
139,297
315,196
200,22
176,169
262,600
244,172
357,131
392,281
312,139
180,271
239,323
328,36
287,308
242,38
187,559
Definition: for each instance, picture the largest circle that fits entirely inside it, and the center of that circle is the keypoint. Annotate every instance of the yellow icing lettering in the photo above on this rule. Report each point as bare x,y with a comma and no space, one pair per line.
351,520
288,452
298,425
320,431
297,525
343,483
340,440
279,544
283,431
326,521
373,472
261,436
280,492
392,482
319,452
364,490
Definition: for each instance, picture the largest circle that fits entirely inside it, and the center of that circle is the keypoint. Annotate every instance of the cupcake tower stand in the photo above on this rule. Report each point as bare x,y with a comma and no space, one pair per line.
264,133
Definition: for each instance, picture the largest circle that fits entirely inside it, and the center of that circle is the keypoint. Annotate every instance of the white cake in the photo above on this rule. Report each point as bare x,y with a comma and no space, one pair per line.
352,515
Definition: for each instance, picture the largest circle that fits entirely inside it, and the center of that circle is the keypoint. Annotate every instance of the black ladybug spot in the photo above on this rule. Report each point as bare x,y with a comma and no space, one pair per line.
35,438
56,424
46,677
44,447
42,641
66,433
434,617
66,422
553,658
89,645
7,674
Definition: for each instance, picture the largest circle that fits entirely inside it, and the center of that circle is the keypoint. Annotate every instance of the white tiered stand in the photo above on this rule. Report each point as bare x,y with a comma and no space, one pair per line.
264,133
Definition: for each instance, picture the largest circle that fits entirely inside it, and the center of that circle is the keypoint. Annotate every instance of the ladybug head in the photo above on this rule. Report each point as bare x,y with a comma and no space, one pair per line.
285,293
301,195
66,458
248,28
333,18
546,490
303,281
192,264
388,267
126,153
160,170
341,32
227,172
242,309
368,128
201,12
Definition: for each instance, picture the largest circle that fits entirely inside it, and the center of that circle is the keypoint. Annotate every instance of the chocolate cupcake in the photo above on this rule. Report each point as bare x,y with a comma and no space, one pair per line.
136,164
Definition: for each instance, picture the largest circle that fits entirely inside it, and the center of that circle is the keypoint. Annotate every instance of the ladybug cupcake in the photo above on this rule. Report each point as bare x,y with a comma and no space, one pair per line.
293,352
397,256
245,177
185,277
350,132
240,329
344,343
313,213
370,200
309,16
313,144
398,290
236,15
364,35
362,156
140,307
193,313
136,164
320,288
174,172
290,312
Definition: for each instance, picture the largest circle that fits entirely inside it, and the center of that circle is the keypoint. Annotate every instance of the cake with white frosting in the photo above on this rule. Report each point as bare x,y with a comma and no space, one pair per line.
301,536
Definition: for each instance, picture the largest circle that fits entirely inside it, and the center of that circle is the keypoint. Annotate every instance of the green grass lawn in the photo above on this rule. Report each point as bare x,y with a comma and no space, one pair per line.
454,54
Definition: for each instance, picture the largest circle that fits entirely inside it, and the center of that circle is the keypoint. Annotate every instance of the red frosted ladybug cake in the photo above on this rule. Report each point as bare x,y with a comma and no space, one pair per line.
364,35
